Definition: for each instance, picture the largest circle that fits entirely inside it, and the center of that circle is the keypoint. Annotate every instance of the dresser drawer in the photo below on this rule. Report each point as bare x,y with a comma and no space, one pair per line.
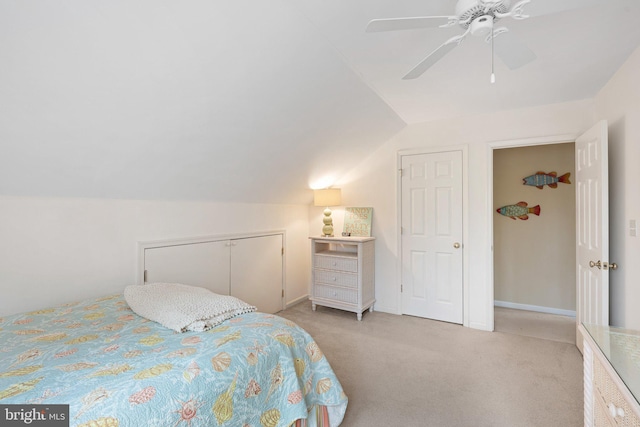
349,280
601,414
334,293
336,263
608,393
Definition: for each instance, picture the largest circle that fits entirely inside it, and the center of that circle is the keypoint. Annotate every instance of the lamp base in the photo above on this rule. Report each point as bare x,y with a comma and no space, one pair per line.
327,230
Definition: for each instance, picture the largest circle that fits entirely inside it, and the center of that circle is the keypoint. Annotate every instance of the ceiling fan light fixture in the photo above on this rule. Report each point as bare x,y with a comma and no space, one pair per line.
482,26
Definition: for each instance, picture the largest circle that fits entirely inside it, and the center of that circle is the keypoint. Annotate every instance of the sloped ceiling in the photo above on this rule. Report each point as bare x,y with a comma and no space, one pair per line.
226,101
254,101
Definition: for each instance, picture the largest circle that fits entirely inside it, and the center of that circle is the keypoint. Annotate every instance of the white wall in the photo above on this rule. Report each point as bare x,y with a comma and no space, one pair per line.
619,103
374,183
56,250
534,260
173,105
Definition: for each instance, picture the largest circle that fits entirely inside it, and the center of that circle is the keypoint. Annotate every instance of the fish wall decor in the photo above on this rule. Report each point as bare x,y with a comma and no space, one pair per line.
519,210
540,179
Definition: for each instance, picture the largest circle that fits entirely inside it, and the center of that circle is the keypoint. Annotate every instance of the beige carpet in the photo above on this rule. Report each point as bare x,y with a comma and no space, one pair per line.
533,324
407,371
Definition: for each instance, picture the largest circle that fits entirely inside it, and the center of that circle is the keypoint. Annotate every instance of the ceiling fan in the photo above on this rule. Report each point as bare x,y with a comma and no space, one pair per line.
479,18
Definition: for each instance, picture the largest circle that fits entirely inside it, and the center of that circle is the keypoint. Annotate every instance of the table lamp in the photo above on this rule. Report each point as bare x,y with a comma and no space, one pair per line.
327,197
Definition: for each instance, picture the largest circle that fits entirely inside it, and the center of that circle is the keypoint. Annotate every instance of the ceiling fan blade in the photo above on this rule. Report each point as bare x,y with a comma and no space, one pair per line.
434,57
512,50
393,24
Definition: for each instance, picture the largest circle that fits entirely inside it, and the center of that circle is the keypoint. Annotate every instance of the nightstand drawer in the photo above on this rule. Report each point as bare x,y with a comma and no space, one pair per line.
329,277
337,263
608,393
335,294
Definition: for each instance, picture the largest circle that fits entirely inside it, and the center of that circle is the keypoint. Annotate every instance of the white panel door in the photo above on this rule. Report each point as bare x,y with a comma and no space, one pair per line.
256,272
592,223
197,264
432,236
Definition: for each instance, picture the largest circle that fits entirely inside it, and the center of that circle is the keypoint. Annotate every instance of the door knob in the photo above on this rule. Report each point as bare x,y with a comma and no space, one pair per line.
456,245
603,265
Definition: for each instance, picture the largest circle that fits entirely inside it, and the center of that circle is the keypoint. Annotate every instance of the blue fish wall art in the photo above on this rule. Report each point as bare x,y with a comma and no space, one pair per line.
540,179
520,210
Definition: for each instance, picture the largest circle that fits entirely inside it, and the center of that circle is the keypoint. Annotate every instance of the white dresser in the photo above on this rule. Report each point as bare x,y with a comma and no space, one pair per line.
611,376
343,273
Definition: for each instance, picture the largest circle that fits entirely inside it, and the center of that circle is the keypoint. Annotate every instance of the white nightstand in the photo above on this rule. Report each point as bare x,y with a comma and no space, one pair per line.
343,273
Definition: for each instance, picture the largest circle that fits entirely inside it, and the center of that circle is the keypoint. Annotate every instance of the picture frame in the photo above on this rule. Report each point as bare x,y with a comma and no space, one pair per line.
357,221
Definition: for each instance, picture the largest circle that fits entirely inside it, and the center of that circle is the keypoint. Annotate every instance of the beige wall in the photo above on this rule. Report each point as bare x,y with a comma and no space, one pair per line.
534,260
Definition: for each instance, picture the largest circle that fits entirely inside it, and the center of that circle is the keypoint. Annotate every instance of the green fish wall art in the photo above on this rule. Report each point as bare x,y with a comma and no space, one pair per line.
540,179
520,210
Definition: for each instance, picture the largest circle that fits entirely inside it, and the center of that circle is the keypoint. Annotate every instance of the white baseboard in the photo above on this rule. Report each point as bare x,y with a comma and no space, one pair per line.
479,326
539,309
384,309
297,300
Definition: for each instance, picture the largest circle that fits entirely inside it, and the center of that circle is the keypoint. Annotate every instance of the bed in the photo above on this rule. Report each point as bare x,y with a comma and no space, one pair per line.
115,368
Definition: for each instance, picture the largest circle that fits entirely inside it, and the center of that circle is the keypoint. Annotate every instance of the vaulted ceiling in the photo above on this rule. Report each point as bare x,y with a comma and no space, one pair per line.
254,101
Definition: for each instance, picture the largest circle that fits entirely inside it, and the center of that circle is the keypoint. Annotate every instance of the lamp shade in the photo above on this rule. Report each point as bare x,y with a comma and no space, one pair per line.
326,197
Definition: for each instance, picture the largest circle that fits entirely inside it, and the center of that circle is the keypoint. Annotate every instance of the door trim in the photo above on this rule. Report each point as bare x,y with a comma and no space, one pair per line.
465,228
497,145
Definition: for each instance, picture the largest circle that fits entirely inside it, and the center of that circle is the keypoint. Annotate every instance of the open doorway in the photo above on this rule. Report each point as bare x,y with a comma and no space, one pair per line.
534,241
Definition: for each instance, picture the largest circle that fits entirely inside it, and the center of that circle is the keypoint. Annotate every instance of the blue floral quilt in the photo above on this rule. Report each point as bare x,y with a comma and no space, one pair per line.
115,368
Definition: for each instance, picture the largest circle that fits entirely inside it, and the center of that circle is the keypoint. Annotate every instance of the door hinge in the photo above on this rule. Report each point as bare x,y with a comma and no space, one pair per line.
283,293
401,288
145,277
282,253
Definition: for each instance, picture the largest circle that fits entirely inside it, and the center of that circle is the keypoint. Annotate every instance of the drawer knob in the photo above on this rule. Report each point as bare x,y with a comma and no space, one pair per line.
335,263
615,411
334,279
335,294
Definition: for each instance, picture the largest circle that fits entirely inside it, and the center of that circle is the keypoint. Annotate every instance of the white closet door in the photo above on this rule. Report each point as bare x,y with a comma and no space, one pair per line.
431,203
201,264
256,272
